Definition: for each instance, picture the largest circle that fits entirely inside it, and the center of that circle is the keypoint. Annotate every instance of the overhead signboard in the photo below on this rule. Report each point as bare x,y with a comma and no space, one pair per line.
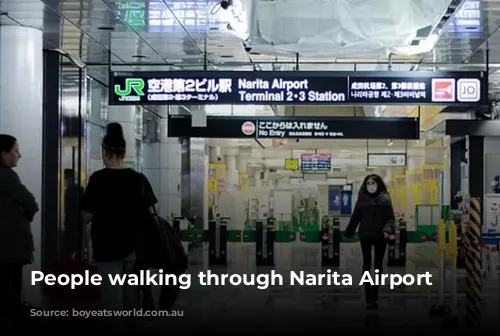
297,88
230,127
292,164
386,160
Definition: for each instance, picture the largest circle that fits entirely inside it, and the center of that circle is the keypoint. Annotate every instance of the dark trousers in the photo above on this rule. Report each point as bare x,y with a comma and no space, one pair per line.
11,284
378,245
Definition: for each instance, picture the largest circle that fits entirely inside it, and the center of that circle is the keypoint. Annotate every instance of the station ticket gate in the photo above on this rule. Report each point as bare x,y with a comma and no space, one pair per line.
330,242
397,246
264,242
217,241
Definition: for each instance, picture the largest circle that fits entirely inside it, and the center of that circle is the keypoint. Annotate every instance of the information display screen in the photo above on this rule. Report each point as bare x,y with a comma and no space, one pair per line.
297,88
312,163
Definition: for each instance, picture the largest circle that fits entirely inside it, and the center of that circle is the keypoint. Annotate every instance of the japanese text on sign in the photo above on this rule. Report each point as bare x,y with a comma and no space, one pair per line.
283,129
180,89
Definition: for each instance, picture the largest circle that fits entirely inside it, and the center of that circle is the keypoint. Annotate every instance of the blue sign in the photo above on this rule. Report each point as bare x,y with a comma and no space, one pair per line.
467,20
345,202
334,200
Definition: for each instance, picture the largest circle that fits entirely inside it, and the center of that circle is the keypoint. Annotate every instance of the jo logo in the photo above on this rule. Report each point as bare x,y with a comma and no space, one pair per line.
248,128
469,90
133,90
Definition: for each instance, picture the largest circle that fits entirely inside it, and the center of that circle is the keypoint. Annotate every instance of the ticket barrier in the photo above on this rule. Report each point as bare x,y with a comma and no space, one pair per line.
264,242
397,246
217,241
330,243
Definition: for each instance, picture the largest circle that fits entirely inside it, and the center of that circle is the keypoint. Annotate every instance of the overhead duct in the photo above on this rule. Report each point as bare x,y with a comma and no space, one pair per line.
366,28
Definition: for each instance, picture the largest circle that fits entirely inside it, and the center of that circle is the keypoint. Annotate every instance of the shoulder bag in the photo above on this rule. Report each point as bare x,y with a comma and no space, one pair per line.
161,247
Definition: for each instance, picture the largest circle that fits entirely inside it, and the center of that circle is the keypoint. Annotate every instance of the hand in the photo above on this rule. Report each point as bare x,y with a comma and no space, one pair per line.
386,235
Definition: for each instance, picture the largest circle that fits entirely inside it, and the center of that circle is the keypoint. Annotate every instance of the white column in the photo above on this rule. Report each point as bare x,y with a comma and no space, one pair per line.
231,172
416,162
242,164
389,175
257,180
446,172
21,106
127,117
169,196
434,155
212,154
151,165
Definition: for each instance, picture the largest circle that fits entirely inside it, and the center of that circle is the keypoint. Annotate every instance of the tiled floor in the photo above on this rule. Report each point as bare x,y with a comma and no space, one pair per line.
297,305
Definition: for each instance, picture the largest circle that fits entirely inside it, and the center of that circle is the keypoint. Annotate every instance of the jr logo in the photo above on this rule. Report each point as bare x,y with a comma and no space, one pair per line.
131,84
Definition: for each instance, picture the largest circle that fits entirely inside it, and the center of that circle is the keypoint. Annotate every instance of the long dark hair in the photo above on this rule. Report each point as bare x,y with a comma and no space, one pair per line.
114,143
382,188
7,142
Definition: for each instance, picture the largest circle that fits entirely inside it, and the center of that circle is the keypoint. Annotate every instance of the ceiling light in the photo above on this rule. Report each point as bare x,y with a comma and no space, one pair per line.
139,56
106,28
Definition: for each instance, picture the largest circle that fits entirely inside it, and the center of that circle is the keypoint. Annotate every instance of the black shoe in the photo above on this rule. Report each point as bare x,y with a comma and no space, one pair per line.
372,305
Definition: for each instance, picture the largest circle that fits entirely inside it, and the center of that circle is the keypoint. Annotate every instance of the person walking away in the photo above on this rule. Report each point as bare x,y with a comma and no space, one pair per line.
115,201
17,210
374,214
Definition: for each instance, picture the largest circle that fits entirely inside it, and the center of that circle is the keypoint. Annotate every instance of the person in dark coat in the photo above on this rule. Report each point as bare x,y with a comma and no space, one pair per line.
374,214
17,210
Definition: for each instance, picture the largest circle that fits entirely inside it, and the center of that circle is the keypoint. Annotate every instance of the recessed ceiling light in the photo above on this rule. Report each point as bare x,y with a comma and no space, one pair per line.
220,46
226,56
106,28
139,56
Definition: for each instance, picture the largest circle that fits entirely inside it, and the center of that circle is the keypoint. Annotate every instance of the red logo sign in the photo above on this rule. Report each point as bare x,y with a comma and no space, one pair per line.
443,89
248,128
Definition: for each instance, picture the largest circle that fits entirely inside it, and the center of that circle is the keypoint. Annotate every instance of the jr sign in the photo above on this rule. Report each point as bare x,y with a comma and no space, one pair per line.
133,90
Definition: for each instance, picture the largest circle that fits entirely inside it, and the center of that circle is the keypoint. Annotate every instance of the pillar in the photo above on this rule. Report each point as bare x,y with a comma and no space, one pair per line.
231,183
256,178
446,187
476,167
151,159
21,104
169,196
213,154
242,164
415,162
457,156
127,117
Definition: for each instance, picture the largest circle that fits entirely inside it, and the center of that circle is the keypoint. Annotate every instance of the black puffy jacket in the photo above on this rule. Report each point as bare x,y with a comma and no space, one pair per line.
374,214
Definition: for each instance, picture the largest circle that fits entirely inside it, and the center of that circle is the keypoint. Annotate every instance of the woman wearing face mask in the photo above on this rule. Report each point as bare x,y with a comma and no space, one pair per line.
375,216
17,209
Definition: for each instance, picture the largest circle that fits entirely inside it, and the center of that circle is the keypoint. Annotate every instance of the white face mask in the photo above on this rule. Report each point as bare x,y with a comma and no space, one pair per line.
372,188
494,183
